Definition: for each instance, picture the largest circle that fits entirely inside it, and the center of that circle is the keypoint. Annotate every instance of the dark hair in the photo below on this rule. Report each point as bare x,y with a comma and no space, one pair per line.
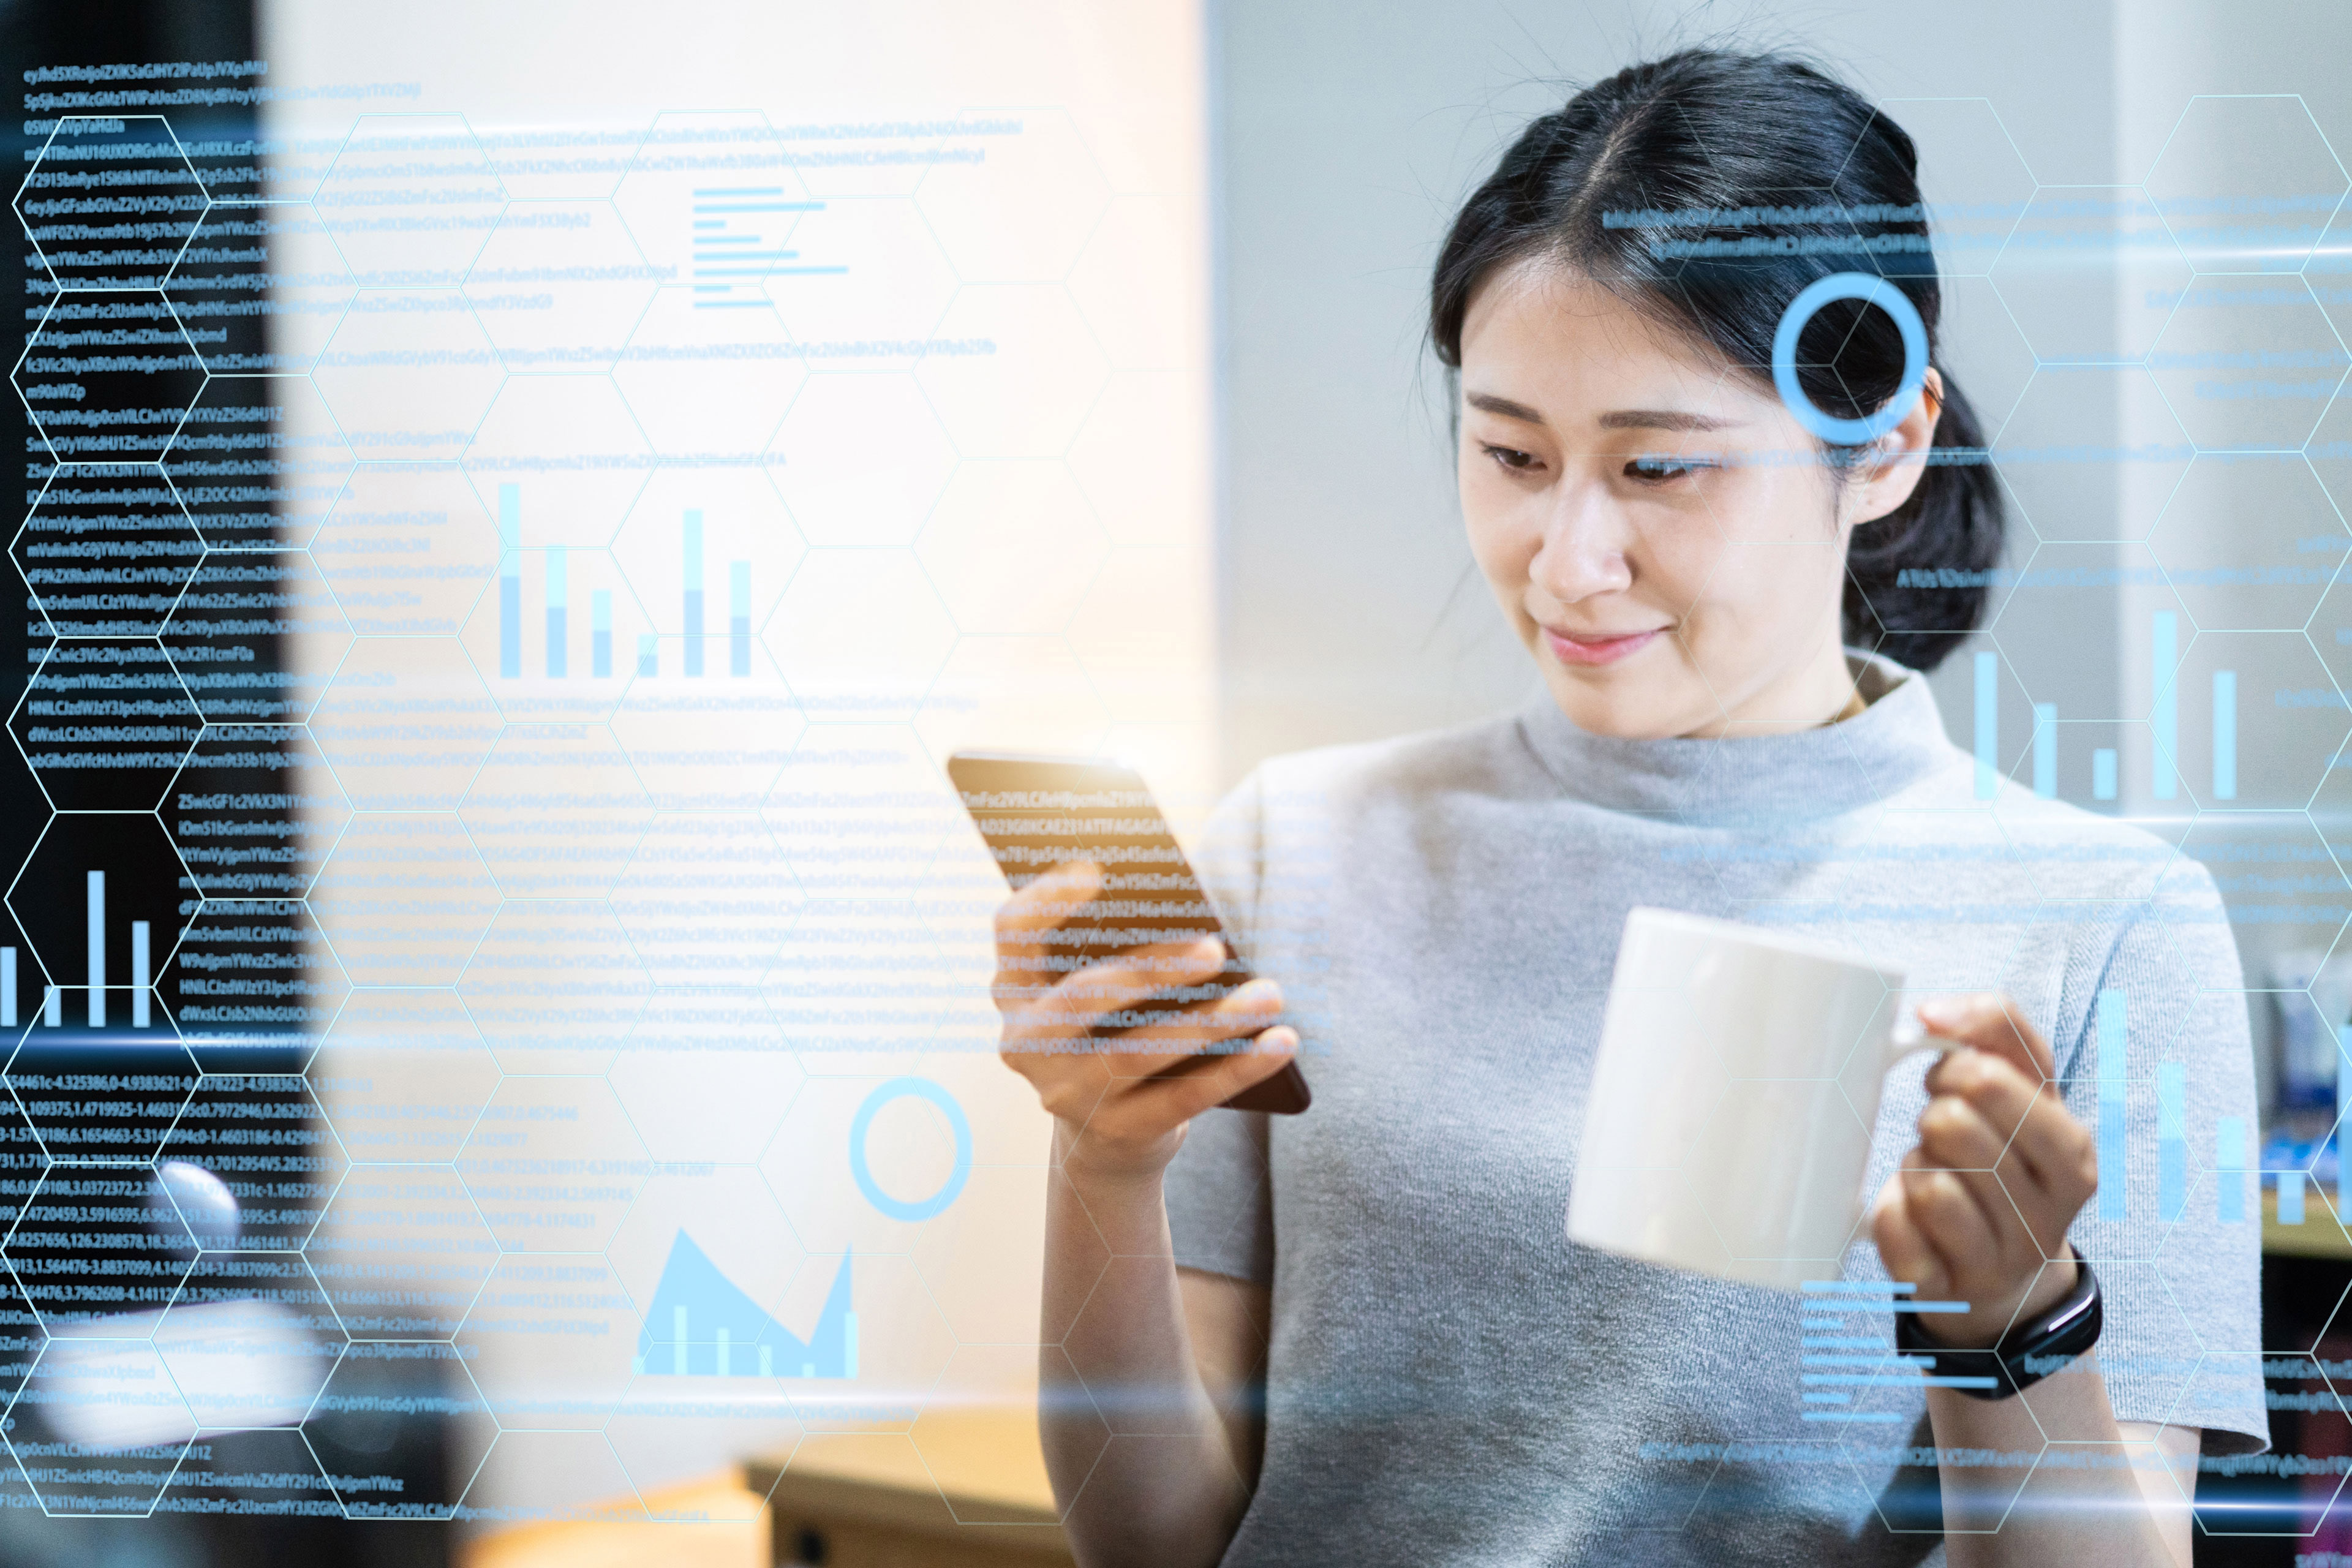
1711,188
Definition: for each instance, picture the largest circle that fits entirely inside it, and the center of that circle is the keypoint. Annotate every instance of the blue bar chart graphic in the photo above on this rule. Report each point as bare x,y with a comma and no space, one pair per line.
2171,1141
1988,730
2164,645
2046,750
693,601
690,538
559,602
510,582
2225,734
2230,1169
701,1324
739,617
2114,1076
141,960
2232,1162
553,637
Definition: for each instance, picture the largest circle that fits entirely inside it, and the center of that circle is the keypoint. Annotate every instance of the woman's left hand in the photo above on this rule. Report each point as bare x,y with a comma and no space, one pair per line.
1979,1209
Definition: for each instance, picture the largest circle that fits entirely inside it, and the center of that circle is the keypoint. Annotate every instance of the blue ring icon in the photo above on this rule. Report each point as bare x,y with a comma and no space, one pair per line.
899,1088
1871,289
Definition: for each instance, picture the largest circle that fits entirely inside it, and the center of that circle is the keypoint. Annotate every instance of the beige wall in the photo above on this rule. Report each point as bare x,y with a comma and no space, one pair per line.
1010,549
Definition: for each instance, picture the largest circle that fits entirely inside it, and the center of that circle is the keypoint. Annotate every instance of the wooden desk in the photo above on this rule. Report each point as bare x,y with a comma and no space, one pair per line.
735,1536
966,1490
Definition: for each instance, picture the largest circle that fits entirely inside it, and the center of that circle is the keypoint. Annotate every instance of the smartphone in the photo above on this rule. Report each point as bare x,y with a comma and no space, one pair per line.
1037,813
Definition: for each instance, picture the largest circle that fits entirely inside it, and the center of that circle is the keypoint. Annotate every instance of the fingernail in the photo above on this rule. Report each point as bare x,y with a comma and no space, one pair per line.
1209,949
1257,994
1939,1011
1281,1038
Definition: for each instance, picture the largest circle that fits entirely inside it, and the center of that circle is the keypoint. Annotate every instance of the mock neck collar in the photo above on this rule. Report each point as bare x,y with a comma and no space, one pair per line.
1796,774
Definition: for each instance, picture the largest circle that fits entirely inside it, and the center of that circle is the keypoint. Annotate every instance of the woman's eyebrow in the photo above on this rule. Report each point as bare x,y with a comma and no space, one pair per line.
1662,419
1616,420
1486,401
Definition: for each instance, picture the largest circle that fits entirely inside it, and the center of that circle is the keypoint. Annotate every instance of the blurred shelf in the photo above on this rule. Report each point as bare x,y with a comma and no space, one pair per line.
2319,1235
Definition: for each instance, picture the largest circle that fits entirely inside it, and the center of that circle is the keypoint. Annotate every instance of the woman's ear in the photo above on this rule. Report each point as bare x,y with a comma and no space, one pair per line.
1899,458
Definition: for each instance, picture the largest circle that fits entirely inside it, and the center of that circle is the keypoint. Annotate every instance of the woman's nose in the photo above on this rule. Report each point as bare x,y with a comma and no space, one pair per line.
1586,548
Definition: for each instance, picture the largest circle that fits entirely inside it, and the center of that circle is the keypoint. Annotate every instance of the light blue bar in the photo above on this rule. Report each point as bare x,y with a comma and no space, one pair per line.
97,950
739,617
677,1338
1887,1305
2114,1072
510,582
559,602
849,1344
2171,1141
2343,1109
1859,1286
693,579
1880,1418
2103,773
1987,725
2163,640
1875,1380
8,987
2230,1169
2225,734
139,973
1818,1398
648,654
2046,750
53,1008
2290,1204
599,632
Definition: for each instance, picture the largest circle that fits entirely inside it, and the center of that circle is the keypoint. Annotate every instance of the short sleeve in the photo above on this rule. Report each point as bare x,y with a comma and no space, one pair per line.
2163,1071
1220,1205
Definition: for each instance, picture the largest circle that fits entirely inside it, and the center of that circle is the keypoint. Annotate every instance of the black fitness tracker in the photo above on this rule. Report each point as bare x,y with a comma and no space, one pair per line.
2024,1355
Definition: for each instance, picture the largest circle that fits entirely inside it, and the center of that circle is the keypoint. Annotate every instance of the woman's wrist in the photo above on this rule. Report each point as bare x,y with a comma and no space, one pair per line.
1094,1167
1983,1329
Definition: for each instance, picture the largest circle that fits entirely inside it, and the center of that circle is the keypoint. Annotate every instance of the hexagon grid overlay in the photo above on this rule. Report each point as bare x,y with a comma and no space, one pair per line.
493,974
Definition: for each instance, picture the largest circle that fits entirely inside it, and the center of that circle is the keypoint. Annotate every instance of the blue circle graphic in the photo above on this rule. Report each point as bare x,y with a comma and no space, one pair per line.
1871,289
899,1088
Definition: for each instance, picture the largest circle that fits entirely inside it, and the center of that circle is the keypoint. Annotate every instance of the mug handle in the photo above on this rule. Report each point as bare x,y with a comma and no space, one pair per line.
1906,1036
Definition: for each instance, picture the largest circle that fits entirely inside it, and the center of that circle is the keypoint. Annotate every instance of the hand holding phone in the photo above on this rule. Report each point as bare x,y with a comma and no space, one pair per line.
1116,981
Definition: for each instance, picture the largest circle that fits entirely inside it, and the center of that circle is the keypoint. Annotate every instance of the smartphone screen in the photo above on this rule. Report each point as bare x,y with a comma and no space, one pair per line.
1037,813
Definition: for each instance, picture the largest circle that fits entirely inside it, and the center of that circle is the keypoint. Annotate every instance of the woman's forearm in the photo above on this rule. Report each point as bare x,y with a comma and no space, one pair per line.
1138,1452
2058,1485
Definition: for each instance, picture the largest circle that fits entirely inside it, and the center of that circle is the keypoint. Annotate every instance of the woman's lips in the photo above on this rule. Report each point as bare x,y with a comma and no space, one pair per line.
1583,648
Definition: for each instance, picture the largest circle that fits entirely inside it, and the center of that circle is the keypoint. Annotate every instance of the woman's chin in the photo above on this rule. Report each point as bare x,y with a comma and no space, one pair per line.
1621,710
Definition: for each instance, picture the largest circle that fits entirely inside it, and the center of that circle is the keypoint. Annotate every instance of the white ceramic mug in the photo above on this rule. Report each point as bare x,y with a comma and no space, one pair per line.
1727,1127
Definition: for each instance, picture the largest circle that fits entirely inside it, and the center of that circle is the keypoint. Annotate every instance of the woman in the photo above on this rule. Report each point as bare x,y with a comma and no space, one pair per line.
1358,1335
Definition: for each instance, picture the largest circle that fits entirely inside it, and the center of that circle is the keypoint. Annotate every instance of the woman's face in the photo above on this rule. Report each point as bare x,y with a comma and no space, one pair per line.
1655,525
